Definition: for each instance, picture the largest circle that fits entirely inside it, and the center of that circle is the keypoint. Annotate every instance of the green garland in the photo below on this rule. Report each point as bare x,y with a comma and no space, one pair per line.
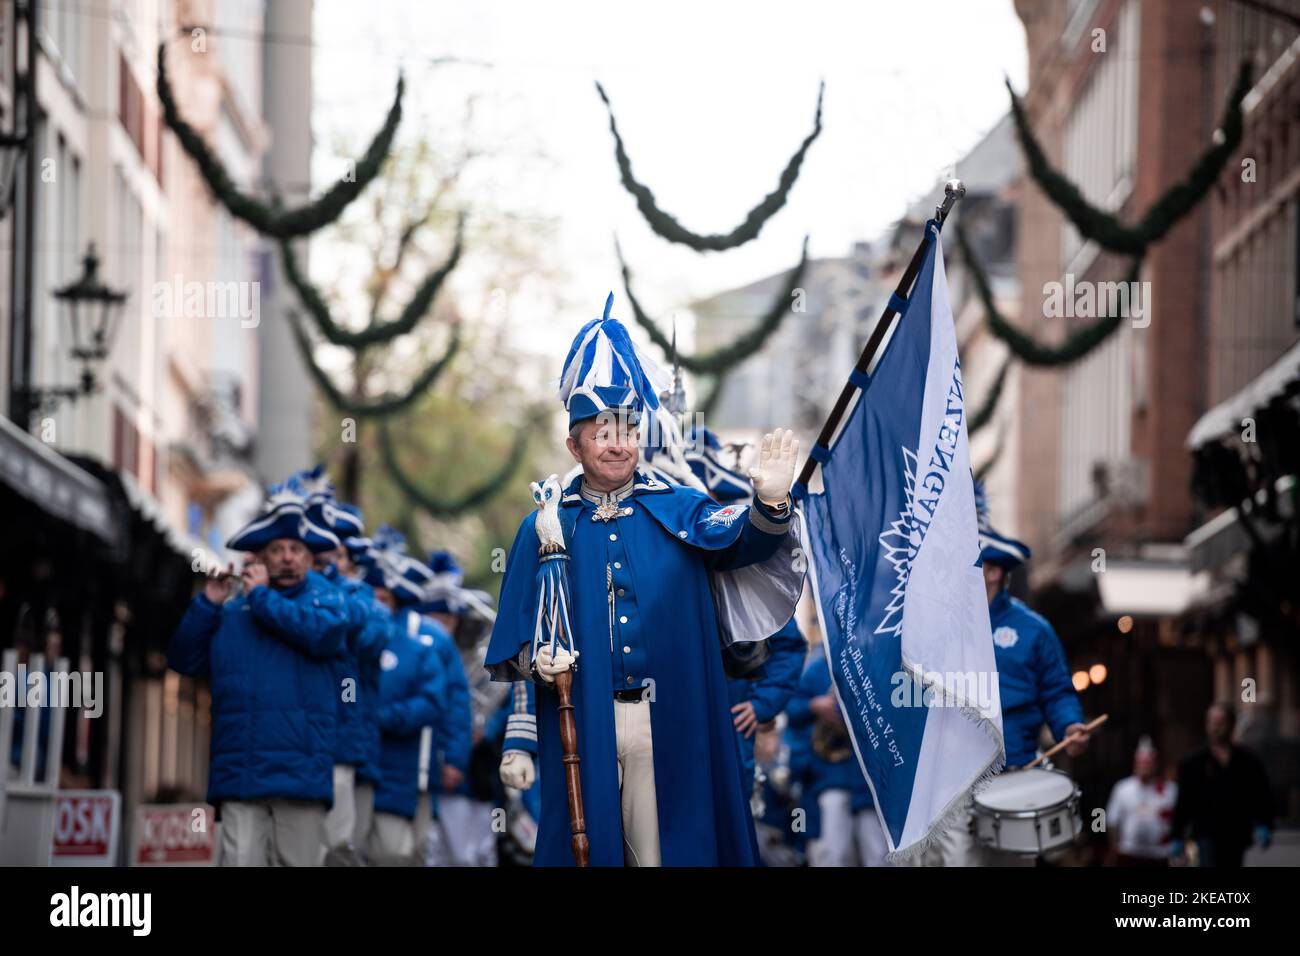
722,359
984,414
459,504
385,404
1025,347
377,332
1176,202
669,228
270,220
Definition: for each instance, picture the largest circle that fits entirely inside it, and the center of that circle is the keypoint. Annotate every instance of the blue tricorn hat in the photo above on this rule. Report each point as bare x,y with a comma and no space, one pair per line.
361,549
441,595
605,372
324,508
1004,552
386,564
284,515
703,453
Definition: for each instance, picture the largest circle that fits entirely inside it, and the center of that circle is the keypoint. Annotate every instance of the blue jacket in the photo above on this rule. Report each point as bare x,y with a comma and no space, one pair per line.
369,624
412,685
270,656
819,774
770,691
1033,678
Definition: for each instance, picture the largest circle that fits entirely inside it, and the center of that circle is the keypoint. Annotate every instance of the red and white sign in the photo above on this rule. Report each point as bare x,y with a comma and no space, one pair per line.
87,824
174,834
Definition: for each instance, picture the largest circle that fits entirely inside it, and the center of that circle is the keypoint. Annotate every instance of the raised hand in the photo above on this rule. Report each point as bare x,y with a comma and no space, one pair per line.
774,473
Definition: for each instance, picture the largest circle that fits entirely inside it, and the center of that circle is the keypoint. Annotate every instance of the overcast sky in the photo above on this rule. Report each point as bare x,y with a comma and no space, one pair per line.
711,99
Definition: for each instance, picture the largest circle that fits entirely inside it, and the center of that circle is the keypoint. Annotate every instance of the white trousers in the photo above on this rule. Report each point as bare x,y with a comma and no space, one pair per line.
365,817
341,821
847,838
462,835
423,821
636,782
391,841
272,833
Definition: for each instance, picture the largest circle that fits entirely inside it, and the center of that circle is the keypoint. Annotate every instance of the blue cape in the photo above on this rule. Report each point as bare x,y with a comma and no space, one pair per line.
672,540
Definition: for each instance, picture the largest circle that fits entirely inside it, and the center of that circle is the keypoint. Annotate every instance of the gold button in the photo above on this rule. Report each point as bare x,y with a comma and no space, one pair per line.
626,649
620,592
623,619
629,680
613,537
617,565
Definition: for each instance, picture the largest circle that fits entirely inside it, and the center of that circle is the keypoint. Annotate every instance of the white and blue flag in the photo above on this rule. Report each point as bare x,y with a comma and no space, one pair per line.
894,555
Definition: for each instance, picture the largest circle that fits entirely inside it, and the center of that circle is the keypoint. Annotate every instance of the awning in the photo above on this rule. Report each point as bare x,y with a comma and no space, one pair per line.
1221,538
150,511
1149,589
1276,380
54,484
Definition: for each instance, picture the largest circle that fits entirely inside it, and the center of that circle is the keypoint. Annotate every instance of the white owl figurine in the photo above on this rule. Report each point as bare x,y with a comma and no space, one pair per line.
549,533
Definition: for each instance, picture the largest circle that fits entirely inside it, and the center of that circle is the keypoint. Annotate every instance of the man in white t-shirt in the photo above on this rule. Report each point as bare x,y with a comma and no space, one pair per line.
1139,812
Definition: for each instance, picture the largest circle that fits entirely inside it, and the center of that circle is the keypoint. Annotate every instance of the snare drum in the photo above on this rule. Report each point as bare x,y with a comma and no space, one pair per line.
1028,812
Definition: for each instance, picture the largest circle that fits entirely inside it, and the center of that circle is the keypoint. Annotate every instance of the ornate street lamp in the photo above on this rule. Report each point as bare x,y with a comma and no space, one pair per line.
93,310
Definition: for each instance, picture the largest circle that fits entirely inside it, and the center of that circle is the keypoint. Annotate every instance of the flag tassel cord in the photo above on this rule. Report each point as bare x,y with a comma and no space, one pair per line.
953,190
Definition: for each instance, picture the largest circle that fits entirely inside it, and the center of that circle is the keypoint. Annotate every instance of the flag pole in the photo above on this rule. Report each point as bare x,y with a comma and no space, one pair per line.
953,190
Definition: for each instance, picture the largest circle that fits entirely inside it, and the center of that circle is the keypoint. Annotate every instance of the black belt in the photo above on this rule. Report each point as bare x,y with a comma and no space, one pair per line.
630,695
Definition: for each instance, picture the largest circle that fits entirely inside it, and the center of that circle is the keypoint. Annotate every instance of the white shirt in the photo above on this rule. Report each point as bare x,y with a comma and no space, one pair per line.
1140,813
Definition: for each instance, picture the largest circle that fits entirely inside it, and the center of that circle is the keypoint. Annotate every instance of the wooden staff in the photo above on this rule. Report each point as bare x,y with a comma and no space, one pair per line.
1088,728
572,780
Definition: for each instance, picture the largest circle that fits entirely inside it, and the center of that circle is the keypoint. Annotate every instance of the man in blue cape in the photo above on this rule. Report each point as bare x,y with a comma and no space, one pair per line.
660,577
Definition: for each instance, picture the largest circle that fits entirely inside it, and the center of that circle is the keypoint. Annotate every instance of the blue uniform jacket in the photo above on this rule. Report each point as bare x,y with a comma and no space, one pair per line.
1033,678
270,656
653,559
412,686
771,690
369,623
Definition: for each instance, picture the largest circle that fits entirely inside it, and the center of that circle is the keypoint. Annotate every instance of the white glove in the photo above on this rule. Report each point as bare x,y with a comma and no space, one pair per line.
774,473
549,667
517,769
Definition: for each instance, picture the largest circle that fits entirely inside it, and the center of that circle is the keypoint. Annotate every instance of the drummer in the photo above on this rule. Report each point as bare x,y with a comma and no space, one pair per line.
1033,681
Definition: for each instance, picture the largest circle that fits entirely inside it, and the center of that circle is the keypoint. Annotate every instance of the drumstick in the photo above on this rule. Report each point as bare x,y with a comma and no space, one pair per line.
1089,728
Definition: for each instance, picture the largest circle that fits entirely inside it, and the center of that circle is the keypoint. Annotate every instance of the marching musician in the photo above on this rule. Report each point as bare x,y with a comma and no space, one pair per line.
1034,684
1033,677
659,766
269,653
412,695
356,677
461,834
